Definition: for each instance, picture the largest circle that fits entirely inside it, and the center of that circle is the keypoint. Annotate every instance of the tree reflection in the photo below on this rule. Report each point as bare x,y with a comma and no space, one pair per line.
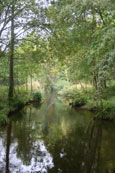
8,142
78,151
23,131
55,139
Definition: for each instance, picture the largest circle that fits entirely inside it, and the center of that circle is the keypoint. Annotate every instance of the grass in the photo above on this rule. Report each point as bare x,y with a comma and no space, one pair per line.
109,102
85,96
3,105
16,103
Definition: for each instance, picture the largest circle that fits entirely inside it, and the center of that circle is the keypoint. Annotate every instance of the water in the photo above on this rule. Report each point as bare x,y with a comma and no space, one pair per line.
55,138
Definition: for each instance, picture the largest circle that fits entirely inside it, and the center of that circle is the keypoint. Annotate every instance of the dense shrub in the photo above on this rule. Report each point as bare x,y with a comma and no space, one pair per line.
16,103
1,106
3,117
79,100
19,104
109,105
75,97
37,96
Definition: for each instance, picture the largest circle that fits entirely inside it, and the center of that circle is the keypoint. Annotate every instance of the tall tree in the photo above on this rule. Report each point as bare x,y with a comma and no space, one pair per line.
11,73
20,18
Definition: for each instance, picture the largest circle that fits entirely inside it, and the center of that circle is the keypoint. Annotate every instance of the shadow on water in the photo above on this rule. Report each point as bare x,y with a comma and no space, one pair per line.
55,138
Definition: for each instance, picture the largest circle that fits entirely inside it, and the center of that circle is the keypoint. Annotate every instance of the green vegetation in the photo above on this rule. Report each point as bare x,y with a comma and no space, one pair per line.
86,97
10,106
37,96
67,46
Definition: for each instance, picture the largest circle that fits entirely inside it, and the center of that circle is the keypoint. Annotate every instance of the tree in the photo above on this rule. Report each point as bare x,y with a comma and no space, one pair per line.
11,77
25,17
79,28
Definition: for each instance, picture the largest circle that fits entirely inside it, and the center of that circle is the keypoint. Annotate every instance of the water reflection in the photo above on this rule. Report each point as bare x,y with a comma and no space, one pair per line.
57,139
23,157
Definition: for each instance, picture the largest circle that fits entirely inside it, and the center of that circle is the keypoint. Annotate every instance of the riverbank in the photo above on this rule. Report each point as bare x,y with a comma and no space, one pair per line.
49,135
90,100
106,109
8,107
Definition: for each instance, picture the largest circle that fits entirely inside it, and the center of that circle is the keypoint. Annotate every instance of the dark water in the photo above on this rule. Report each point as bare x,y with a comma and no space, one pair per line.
57,139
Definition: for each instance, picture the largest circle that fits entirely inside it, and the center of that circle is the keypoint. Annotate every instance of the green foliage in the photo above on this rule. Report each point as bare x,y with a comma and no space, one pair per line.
80,99
74,96
16,103
62,85
19,100
92,48
109,102
3,117
109,105
108,92
79,48
37,96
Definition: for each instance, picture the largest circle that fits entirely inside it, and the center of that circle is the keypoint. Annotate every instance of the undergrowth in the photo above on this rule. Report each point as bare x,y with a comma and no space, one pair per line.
15,103
88,99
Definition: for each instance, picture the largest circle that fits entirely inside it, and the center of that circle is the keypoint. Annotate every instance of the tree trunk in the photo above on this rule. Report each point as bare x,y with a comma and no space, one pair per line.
26,83
31,83
18,82
95,80
11,70
104,84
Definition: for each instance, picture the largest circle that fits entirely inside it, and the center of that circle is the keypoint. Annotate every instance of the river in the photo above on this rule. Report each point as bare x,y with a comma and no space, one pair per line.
55,138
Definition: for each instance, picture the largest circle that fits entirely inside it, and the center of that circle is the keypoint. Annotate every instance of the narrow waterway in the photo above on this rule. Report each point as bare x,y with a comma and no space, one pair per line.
55,138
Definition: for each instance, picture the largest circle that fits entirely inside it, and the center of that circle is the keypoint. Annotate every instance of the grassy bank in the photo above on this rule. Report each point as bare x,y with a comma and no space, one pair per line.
87,97
16,103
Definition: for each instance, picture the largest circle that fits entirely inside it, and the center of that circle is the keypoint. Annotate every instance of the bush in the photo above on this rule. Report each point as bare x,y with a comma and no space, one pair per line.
16,103
109,104
1,105
3,117
80,99
19,104
75,97
37,96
